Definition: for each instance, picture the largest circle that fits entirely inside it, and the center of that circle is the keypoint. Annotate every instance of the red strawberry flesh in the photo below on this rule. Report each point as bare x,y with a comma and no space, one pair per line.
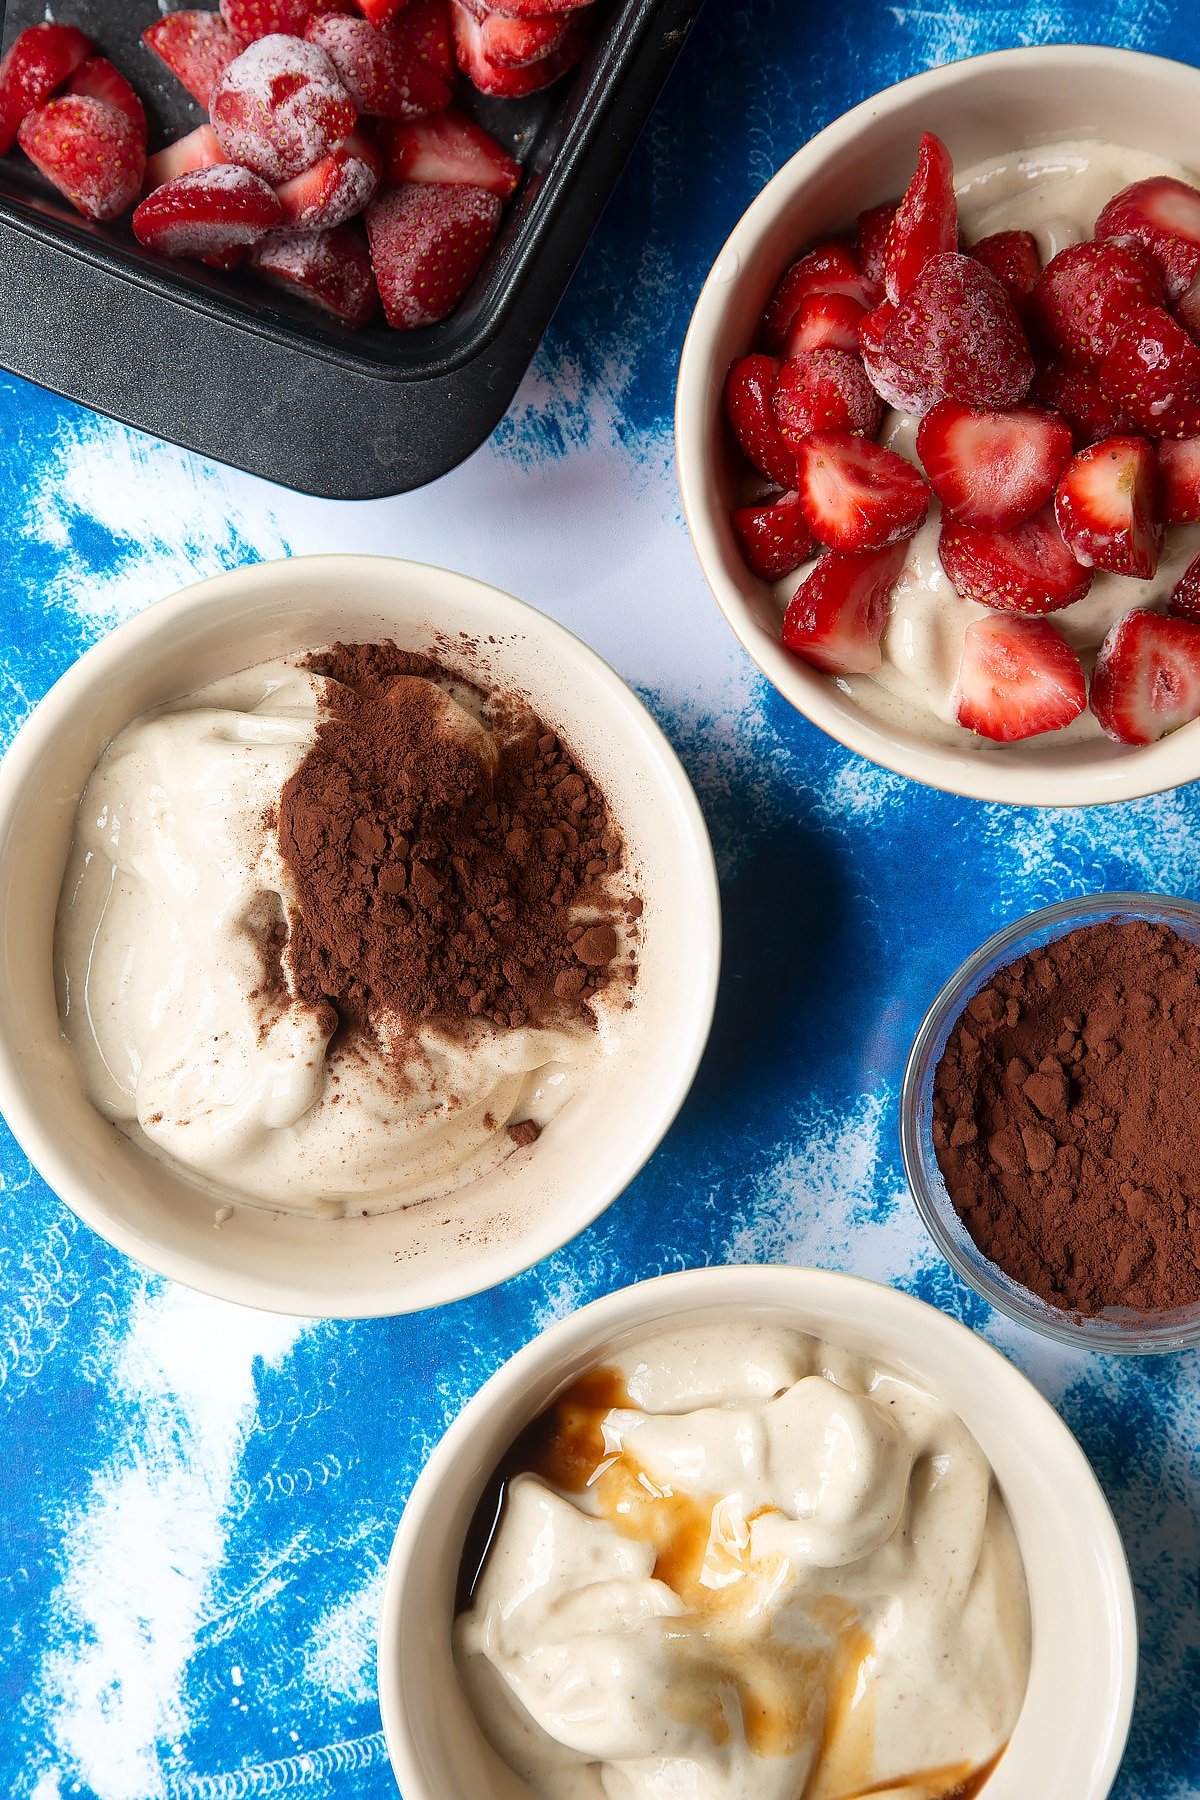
830,268
334,190
825,322
856,494
39,61
198,150
450,147
383,79
428,243
774,536
91,152
954,336
1029,569
1185,597
1107,507
197,47
1017,678
1085,294
329,268
207,213
1147,677
837,615
99,80
1163,214
992,468
823,390
1179,480
280,107
926,221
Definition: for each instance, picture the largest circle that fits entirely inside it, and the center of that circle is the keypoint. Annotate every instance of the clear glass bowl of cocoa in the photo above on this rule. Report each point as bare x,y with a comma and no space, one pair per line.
1050,1122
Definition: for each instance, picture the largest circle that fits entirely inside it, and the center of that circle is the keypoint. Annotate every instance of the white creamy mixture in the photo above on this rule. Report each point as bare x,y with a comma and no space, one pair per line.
173,891
1056,191
790,1577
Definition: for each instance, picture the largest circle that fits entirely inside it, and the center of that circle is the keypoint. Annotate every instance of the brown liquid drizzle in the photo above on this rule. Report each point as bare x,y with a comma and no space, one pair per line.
702,1553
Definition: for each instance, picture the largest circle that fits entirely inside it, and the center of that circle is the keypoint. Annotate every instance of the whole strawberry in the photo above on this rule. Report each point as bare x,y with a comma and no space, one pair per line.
954,335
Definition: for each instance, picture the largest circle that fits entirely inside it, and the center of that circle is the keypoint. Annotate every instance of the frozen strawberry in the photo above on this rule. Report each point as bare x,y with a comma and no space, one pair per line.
1179,481
1086,292
450,147
335,189
198,150
824,390
838,613
1185,597
1164,215
428,242
535,9
749,387
1147,677
825,322
1107,507
99,80
383,79
1017,678
207,213
829,269
1151,370
873,228
506,80
280,107
251,19
1029,569
421,27
1012,257
856,494
516,43
39,61
774,536
926,222
196,47
1187,309
227,260
992,468
91,152
1082,402
330,268
954,336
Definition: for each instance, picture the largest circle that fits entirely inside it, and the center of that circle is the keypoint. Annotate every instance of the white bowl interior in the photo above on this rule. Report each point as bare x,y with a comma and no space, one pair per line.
531,1204
1072,1729
982,108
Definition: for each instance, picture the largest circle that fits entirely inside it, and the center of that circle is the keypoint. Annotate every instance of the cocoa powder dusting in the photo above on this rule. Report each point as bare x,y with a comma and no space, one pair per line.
441,869
1066,1119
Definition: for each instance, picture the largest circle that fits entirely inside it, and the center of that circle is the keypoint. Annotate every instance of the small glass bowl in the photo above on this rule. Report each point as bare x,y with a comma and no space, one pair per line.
1117,1330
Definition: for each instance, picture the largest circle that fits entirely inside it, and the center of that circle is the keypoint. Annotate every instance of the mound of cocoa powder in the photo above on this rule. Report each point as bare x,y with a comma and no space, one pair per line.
437,881
1066,1119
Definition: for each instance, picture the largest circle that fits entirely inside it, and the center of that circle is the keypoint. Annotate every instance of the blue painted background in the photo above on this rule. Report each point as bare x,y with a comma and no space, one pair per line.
198,1501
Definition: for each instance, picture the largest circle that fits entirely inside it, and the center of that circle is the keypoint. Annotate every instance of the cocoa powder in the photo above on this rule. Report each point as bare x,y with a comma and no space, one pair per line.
444,873
1066,1119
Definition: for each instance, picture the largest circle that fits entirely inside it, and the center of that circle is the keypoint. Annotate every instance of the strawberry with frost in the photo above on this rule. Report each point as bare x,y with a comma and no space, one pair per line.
197,47
279,107
1017,678
99,80
383,78
954,335
207,213
329,268
428,242
452,148
823,390
39,61
335,189
198,150
992,468
93,153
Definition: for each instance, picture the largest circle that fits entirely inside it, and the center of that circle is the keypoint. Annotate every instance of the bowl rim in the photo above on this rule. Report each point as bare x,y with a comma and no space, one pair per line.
1003,1293
972,774
534,1370
308,1298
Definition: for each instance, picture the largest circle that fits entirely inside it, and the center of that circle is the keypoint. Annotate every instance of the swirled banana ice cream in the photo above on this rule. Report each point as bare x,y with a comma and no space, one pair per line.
741,1564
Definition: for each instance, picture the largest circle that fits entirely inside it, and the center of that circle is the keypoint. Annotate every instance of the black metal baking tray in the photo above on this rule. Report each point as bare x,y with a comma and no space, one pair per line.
241,372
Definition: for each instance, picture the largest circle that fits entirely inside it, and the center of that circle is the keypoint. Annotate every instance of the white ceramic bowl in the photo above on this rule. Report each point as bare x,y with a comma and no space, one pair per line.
981,107
1072,1729
427,1254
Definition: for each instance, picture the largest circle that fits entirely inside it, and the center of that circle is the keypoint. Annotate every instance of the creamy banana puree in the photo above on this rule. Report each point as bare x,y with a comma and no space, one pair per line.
741,1564
173,905
1055,191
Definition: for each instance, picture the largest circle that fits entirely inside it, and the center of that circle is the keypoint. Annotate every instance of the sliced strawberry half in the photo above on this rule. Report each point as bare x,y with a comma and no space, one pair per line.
198,150
1185,596
516,43
926,221
428,242
825,322
383,78
1179,481
993,468
1086,293
824,390
774,536
955,335
830,268
207,213
1164,215
1151,370
253,19
1147,677
39,61
1012,257
1016,679
838,613
536,9
749,387
1082,402
423,26
91,152
99,80
504,80
335,189
380,12
450,147
871,239
1029,569
1107,507
330,268
856,494
279,107
197,47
